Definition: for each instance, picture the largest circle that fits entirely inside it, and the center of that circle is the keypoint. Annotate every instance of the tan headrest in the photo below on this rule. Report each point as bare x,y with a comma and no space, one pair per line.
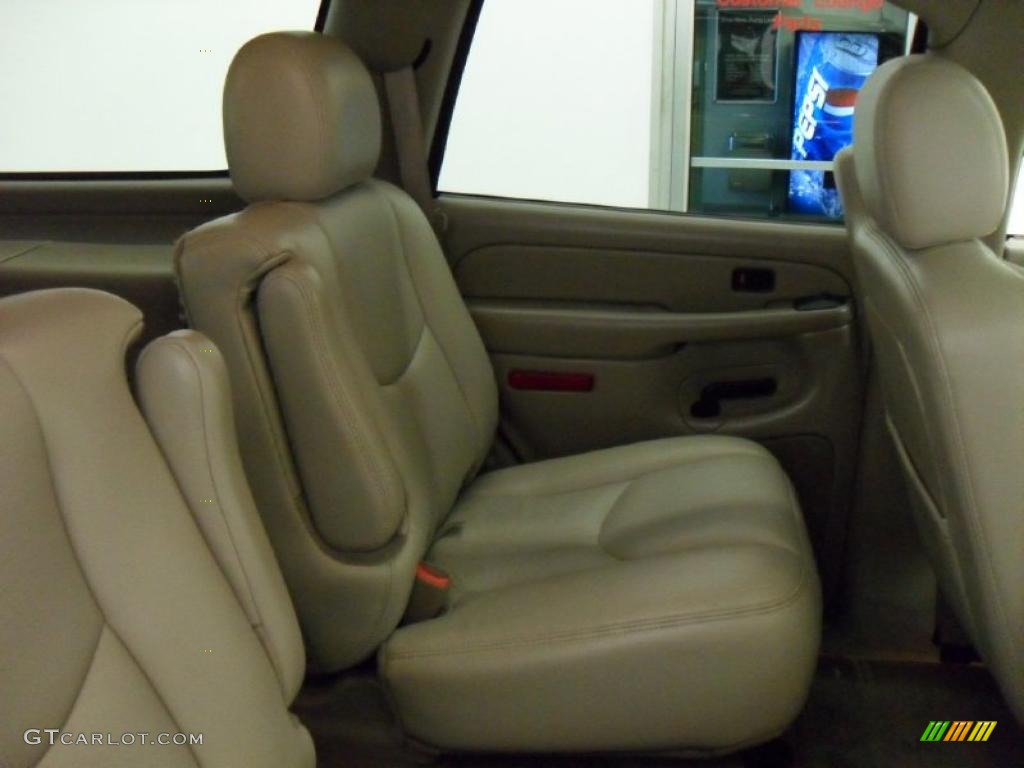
930,153
301,118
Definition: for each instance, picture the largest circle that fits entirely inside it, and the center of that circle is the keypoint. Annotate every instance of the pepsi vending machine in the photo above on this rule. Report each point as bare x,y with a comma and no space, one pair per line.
831,68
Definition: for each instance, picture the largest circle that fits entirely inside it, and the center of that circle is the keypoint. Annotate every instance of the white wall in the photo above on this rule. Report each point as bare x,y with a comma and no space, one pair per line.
555,103
1016,226
122,85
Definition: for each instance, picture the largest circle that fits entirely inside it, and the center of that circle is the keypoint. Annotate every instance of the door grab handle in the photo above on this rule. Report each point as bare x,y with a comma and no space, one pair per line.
709,406
819,302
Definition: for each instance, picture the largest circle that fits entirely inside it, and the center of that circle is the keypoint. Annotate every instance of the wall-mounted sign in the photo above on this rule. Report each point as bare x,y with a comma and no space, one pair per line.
747,65
864,6
767,3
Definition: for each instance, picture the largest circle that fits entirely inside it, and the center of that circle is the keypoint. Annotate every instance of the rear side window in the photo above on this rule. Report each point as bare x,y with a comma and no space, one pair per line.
733,107
1016,225
124,85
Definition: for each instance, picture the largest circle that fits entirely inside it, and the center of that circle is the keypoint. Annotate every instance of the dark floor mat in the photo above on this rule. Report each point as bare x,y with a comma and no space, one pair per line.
861,714
872,715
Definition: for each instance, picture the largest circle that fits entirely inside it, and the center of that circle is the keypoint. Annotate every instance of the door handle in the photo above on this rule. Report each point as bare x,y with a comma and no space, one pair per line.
709,406
753,280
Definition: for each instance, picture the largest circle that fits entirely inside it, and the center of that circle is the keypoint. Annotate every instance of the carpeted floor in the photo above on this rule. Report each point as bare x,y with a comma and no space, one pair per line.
861,714
872,714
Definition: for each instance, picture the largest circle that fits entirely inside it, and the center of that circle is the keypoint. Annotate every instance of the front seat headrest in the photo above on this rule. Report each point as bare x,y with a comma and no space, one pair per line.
301,118
930,153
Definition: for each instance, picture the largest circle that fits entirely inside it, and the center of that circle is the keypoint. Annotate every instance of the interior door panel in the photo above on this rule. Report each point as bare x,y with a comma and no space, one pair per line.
624,332
116,236
682,326
141,274
644,278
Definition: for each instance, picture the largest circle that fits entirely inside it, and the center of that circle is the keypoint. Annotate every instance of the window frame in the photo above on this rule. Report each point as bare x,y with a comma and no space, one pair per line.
451,93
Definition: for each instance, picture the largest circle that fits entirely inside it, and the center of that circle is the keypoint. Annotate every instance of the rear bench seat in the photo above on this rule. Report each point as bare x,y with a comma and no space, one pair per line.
659,596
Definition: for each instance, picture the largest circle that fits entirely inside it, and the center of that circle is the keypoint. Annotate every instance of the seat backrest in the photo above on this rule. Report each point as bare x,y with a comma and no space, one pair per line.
364,396
926,180
183,392
117,618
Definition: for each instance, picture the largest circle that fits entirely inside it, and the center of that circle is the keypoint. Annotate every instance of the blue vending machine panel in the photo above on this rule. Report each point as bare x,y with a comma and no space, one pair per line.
831,68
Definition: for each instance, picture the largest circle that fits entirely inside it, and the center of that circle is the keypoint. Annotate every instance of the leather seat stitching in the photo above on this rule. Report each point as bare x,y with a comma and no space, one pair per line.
310,215
131,332
102,620
243,296
412,358
340,394
223,519
423,311
268,400
610,630
667,464
972,521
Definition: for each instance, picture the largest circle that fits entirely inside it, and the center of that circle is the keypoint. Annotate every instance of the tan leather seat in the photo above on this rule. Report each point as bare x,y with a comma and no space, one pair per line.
926,180
117,619
657,596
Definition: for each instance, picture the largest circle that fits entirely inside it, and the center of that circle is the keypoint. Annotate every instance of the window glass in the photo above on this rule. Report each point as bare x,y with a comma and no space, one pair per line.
124,85
730,107
555,103
1016,225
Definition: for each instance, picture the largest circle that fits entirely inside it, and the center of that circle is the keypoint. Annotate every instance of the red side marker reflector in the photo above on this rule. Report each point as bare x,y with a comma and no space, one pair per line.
551,381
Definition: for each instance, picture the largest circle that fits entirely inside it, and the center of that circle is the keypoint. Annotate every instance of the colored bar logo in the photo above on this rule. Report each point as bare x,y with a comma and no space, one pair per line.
959,730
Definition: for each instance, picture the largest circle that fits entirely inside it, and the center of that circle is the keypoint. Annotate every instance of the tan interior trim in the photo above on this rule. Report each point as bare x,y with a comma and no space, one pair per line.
479,222
508,328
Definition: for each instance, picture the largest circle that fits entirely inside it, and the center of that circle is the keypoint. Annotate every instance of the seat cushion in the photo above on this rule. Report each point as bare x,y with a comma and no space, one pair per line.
657,596
117,619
